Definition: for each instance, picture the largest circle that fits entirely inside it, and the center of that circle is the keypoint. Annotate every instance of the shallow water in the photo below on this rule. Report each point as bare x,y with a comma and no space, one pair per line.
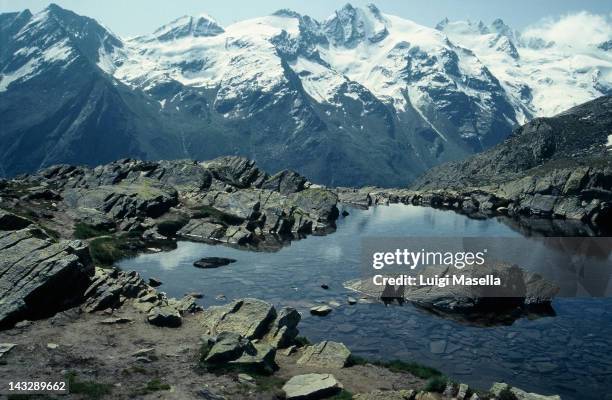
568,354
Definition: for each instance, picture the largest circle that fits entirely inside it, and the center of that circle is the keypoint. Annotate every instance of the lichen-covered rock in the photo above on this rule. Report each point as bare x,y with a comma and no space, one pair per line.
39,277
311,387
519,394
326,354
248,317
165,316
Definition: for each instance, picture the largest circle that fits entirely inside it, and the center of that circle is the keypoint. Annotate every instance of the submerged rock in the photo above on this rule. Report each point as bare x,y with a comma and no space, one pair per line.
311,387
213,262
321,310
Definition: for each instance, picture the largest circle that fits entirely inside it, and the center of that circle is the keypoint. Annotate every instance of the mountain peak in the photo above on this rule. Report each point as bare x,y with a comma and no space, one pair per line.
196,26
350,25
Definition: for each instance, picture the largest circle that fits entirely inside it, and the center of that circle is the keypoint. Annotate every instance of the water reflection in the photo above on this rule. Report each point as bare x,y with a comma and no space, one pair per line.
567,354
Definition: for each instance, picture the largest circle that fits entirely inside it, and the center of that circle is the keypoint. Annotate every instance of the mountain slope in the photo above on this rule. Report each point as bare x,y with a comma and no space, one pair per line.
360,98
579,137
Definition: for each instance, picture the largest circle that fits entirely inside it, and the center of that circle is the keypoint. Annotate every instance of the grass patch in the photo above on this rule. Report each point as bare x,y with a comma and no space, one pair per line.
343,395
86,231
154,385
106,250
268,383
506,394
301,341
436,384
89,389
217,216
416,369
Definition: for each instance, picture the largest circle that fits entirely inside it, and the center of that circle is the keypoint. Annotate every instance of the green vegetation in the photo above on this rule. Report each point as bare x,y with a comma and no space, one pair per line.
301,341
89,389
506,394
436,384
86,231
418,370
105,251
268,383
217,216
154,385
343,395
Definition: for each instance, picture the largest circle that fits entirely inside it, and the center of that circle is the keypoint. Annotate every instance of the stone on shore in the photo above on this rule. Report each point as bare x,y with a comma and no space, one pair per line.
498,387
311,387
326,354
165,316
386,395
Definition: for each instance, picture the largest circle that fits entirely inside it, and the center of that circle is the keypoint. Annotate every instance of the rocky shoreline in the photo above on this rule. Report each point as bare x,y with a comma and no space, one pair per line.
63,304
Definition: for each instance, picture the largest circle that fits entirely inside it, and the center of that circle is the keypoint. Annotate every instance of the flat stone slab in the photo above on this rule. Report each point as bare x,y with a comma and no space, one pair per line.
326,354
311,387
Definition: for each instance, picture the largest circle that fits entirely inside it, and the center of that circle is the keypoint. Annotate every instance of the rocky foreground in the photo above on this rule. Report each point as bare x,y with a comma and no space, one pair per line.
64,307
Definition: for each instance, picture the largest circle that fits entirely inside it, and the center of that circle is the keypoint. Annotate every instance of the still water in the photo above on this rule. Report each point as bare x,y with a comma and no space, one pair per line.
568,354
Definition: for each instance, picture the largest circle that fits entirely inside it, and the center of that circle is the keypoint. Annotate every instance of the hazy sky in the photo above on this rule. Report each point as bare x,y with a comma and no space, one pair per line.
134,17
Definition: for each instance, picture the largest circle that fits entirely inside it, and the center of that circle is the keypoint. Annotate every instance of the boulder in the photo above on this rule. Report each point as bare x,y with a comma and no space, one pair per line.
108,288
40,277
250,318
236,171
203,230
518,289
228,346
326,354
164,316
213,262
283,330
311,387
285,182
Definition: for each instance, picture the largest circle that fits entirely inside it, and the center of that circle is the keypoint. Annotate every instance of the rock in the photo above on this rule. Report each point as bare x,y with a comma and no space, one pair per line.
12,222
140,198
290,350
325,354
475,397
117,320
195,295
206,394
250,318
236,171
386,395
463,391
324,286
518,289
39,277
320,310
5,348
186,305
285,182
283,330
311,387
498,387
108,288
428,396
144,352
334,303
213,262
245,378
260,359
154,282
437,346
228,346
198,229
351,300
52,346
164,316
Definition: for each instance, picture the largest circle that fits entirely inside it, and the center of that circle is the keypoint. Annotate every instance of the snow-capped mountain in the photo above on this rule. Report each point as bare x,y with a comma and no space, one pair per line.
359,98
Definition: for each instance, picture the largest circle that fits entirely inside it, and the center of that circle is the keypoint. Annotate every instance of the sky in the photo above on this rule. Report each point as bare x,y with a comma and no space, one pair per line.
135,17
